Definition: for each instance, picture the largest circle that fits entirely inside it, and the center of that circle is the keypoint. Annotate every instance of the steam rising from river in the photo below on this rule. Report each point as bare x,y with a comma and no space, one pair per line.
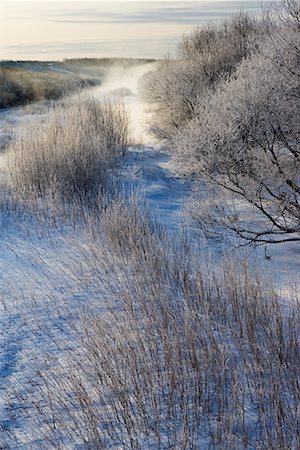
119,82
123,82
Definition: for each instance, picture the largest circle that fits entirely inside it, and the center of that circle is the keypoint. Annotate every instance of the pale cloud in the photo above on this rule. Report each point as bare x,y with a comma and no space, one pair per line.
44,30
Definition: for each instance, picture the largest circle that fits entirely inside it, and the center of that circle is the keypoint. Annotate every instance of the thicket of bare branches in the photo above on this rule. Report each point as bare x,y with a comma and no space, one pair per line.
180,355
205,57
246,140
242,138
69,153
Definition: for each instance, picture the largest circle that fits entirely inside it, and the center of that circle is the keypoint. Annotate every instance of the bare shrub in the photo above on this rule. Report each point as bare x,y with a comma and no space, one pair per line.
11,90
71,150
180,356
206,56
245,142
218,49
229,110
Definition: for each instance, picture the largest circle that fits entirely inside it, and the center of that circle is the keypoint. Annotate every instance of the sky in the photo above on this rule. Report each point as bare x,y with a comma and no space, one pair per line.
54,30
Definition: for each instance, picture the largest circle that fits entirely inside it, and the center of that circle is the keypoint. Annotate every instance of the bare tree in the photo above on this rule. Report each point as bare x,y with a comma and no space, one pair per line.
177,86
239,132
245,140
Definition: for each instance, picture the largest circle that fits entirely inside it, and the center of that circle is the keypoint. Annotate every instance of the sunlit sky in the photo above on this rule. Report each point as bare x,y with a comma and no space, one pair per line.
53,30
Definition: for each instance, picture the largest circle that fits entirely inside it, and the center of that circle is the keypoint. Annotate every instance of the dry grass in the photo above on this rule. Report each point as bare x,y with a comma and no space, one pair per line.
71,150
19,86
182,355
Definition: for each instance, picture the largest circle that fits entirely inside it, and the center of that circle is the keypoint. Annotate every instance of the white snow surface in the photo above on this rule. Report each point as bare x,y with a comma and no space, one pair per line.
34,276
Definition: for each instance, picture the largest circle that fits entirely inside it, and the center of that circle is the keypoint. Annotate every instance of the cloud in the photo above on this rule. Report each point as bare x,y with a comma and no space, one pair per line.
148,48
160,12
140,28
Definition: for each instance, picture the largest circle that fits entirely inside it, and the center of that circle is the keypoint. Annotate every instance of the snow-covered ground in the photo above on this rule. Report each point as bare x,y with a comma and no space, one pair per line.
34,273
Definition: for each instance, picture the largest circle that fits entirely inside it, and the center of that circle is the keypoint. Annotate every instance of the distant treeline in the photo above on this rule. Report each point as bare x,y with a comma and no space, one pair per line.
109,61
97,67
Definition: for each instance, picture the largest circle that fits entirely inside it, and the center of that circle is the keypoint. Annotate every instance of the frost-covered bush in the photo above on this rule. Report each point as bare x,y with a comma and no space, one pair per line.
205,57
69,151
233,124
245,141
